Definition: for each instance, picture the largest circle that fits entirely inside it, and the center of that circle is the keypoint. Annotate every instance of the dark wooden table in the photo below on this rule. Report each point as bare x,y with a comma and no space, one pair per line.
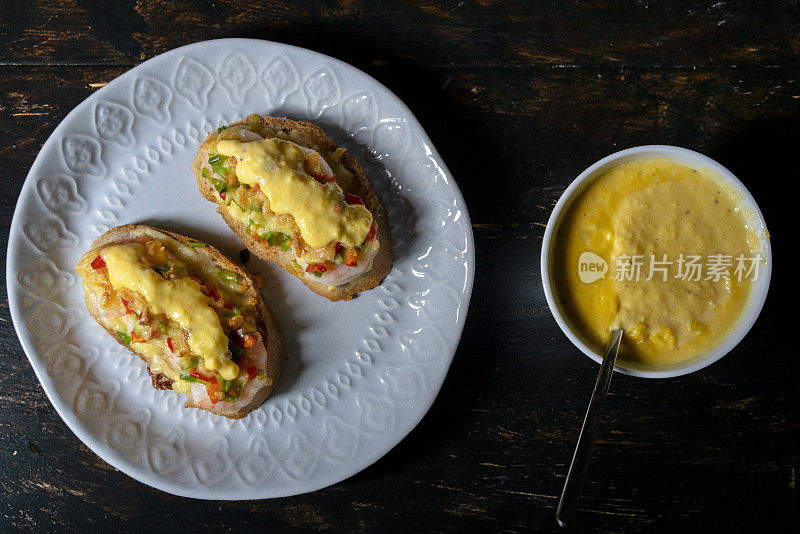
518,98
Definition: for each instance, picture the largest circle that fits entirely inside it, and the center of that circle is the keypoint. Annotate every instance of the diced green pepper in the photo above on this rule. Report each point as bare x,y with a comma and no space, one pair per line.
196,245
286,242
233,200
228,277
186,377
179,268
297,265
261,374
219,185
224,385
162,269
189,363
270,237
221,129
218,164
124,337
317,274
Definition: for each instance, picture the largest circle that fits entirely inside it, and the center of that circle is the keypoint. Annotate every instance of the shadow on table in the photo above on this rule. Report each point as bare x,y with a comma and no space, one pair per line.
763,155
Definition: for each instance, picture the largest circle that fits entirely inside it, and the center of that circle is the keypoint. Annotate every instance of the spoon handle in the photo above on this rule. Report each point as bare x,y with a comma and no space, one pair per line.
568,504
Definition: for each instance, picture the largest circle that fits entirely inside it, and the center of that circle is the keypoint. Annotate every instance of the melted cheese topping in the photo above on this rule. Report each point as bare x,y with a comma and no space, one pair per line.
318,209
179,299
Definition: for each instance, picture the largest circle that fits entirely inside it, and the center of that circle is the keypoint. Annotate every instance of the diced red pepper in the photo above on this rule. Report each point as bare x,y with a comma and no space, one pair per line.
98,263
212,292
227,305
222,195
337,249
316,268
370,234
351,257
200,376
213,389
353,199
248,340
324,178
128,309
170,345
257,187
252,372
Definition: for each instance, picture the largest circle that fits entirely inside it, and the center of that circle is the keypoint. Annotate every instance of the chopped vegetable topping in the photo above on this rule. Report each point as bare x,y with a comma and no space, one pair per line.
170,345
128,309
125,338
190,363
219,185
316,269
186,377
261,374
212,389
351,257
228,277
224,385
248,340
270,237
218,164
196,245
252,372
200,376
353,199
98,263
286,242
323,178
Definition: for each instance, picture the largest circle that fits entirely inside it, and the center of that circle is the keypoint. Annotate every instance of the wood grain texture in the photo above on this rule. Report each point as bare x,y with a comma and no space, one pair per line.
522,98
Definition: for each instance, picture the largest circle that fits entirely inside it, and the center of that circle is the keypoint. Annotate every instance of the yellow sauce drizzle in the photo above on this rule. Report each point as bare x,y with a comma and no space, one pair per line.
319,211
179,299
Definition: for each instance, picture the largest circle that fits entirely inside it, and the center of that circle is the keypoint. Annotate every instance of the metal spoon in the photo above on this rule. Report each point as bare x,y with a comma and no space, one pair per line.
568,504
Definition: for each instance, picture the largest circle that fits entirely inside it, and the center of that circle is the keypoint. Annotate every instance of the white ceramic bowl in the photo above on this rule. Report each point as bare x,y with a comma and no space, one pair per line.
687,157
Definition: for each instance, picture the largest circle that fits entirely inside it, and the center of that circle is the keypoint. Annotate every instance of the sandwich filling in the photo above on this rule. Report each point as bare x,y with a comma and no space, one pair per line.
191,321
287,196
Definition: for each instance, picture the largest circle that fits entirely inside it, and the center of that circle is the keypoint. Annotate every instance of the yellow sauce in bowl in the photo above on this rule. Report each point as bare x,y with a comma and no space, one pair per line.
664,251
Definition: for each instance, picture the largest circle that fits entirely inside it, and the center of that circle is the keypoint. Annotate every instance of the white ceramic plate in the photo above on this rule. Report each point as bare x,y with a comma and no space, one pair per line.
359,376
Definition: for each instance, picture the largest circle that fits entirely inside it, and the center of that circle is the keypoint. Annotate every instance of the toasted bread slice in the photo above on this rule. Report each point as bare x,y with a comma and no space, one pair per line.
165,358
348,175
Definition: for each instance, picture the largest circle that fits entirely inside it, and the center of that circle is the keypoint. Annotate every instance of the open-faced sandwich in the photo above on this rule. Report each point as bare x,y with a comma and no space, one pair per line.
196,318
297,200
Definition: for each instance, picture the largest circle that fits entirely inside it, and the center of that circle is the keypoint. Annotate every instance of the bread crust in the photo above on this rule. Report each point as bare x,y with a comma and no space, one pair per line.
311,136
266,323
